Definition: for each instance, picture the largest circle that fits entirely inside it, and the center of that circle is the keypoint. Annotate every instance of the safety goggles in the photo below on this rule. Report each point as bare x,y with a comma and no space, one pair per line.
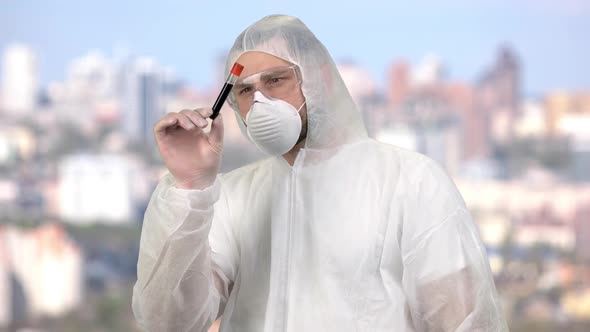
278,83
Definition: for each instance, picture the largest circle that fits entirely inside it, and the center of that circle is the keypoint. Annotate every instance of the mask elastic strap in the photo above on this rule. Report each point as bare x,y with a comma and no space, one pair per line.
243,121
300,107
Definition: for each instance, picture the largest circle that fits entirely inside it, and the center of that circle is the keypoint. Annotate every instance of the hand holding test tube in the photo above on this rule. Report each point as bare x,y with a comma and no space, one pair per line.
191,155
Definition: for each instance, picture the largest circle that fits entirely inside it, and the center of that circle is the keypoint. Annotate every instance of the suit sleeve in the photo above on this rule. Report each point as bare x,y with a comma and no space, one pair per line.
183,278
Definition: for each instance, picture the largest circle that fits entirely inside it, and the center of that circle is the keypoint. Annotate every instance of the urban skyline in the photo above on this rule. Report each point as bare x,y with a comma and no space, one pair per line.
193,35
78,164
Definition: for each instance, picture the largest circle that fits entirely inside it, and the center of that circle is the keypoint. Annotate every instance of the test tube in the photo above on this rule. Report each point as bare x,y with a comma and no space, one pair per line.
233,76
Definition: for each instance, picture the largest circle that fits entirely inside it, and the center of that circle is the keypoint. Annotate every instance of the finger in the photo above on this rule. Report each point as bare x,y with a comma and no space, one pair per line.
185,122
195,117
216,133
165,123
205,112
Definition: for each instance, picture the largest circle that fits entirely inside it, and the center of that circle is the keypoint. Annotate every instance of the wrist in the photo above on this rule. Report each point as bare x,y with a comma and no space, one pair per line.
194,184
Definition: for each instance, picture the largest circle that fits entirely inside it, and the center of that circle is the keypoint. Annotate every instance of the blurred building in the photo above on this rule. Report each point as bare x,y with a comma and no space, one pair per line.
497,100
461,98
582,231
453,122
502,82
90,79
368,99
561,104
5,289
143,93
568,115
88,97
428,72
96,188
20,80
358,81
493,229
438,121
532,122
440,141
404,81
524,196
576,304
398,86
40,273
542,226
17,143
439,112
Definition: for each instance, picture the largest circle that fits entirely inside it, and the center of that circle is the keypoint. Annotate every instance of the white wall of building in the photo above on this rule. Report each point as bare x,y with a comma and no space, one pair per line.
20,80
95,188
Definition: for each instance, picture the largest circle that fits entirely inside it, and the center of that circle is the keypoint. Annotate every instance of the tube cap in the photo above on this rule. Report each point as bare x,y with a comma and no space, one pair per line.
237,69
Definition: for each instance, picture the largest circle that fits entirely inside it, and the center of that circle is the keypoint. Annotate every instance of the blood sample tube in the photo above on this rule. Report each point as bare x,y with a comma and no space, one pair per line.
233,76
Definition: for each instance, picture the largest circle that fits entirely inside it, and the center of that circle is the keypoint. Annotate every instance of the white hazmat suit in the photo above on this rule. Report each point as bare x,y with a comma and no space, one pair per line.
355,236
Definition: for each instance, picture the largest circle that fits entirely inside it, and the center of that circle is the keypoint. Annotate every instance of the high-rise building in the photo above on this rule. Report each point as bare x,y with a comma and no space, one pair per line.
505,77
19,80
142,94
497,99
399,83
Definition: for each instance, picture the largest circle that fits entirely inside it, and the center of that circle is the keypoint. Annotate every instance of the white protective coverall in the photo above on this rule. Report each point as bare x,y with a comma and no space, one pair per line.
355,236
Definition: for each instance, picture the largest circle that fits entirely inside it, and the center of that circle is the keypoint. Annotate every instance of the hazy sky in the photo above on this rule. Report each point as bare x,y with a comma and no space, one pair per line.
551,37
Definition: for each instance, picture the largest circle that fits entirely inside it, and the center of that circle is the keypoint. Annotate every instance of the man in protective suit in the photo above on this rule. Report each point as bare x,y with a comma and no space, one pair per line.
333,232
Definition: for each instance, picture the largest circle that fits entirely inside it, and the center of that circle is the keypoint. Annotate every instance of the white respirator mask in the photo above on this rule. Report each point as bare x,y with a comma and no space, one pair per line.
273,125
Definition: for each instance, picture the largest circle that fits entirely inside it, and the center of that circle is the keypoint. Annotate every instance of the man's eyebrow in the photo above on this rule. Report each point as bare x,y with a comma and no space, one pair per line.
241,85
263,75
275,73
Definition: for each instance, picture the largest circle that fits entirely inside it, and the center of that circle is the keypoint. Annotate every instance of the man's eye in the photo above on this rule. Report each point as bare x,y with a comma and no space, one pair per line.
245,90
275,80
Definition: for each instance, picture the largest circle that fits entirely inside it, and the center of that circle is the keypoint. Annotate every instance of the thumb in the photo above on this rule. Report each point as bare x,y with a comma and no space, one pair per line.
216,133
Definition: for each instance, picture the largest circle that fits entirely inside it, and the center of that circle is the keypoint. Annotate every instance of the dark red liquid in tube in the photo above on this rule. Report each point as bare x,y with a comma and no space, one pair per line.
234,73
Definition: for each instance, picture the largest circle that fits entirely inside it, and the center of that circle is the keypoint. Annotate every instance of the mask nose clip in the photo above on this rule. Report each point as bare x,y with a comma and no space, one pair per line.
256,97
260,97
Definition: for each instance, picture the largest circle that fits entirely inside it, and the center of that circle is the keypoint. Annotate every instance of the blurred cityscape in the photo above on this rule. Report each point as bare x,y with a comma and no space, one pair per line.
78,163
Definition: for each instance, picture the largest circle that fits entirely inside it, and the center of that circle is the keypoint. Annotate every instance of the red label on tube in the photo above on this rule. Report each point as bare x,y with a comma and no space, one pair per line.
237,69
